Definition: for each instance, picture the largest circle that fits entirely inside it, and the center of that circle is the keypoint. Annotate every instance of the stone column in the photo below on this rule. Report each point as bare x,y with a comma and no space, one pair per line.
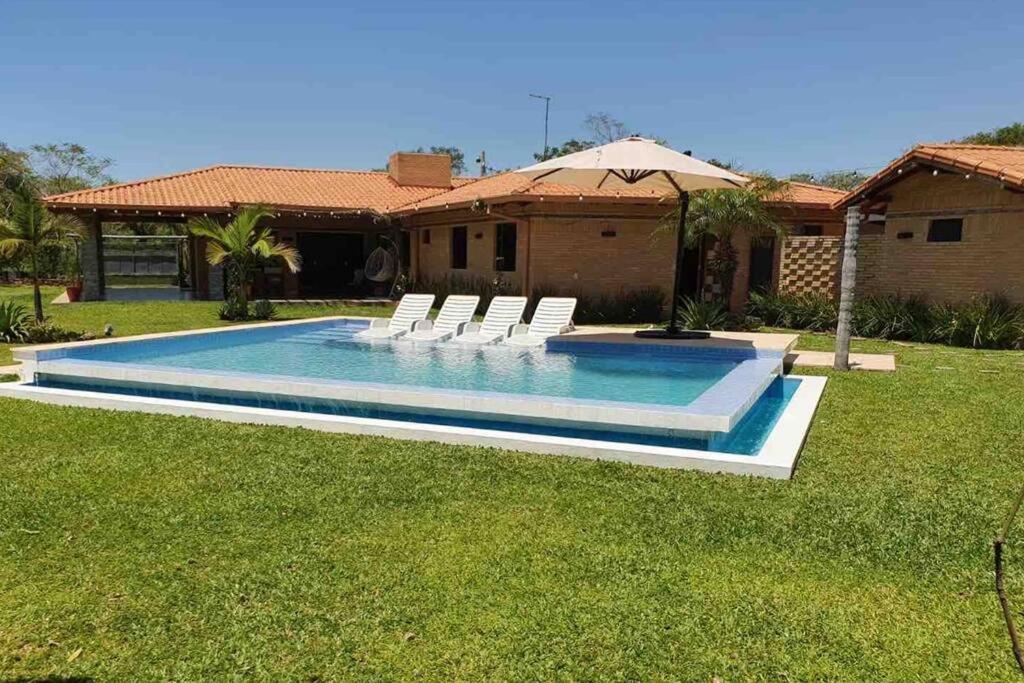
93,281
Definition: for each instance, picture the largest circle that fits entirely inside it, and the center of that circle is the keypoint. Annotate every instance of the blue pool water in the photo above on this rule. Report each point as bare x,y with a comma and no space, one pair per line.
746,438
635,374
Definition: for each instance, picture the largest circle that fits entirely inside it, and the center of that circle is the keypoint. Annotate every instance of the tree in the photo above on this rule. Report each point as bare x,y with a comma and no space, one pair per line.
567,147
841,180
721,213
605,128
67,166
28,228
242,246
847,289
1012,135
14,164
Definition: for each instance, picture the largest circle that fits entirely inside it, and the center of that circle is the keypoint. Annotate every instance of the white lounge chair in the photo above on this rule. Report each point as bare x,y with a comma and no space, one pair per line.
456,312
502,315
552,317
411,309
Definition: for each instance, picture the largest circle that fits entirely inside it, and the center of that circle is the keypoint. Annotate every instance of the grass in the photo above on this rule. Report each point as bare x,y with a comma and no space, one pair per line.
153,316
177,548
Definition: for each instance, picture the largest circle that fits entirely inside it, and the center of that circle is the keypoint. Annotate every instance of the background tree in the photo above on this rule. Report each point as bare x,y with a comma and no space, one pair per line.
242,245
67,166
28,228
567,147
1012,135
602,127
841,180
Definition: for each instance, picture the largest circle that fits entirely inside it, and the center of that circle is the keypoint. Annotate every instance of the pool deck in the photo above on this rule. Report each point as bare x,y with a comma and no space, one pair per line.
759,341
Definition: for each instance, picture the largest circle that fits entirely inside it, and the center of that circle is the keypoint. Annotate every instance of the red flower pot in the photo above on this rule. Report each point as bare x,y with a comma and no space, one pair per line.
74,292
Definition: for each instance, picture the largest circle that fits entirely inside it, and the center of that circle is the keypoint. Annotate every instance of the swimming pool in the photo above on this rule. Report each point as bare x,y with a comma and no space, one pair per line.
575,393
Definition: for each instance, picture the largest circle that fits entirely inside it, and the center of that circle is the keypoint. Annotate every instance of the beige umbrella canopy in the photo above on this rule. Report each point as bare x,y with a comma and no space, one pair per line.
633,161
639,162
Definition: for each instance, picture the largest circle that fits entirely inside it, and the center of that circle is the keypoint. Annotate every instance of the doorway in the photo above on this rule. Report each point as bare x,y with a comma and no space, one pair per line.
329,263
762,264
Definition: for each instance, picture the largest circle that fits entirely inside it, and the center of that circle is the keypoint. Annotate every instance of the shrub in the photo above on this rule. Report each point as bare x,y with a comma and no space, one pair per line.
704,315
893,317
48,333
234,309
808,311
13,322
986,322
263,310
485,288
636,306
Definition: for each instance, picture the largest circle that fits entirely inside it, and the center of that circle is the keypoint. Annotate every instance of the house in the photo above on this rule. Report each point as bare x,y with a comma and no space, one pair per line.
943,222
533,234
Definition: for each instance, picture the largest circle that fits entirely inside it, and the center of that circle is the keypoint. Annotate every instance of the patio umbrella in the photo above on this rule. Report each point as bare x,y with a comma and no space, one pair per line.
639,162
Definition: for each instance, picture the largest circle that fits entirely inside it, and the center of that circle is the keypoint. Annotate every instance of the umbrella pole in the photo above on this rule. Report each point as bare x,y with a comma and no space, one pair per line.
674,331
684,206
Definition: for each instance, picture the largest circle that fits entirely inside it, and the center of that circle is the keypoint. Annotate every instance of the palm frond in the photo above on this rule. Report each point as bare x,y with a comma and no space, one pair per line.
216,254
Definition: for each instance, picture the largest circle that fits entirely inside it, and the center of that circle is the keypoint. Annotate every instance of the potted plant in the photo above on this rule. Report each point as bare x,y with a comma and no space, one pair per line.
74,270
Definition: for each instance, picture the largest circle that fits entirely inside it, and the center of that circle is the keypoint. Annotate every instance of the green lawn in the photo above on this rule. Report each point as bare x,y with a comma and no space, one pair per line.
156,316
153,547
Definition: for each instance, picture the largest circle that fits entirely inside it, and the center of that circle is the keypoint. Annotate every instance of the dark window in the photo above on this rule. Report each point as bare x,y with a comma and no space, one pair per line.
505,247
946,230
459,248
762,263
426,237
808,231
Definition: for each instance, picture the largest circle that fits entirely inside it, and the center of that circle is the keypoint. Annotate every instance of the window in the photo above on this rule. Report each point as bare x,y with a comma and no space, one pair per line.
807,230
426,236
946,230
459,248
505,247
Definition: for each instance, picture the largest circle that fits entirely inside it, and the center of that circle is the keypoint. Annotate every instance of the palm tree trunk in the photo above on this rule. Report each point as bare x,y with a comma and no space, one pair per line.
848,284
242,278
37,296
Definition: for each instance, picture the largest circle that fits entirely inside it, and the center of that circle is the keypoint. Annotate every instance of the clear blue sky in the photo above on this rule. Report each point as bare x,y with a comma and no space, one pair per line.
783,86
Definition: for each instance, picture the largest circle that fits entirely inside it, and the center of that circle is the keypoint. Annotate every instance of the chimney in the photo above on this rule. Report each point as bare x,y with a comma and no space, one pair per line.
422,170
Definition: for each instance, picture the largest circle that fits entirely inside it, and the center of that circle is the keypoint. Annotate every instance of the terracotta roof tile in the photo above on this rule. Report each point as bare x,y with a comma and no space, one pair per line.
222,187
510,185
1005,164
807,194
219,187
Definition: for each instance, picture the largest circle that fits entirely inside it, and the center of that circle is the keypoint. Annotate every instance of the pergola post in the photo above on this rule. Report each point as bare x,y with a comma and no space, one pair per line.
93,280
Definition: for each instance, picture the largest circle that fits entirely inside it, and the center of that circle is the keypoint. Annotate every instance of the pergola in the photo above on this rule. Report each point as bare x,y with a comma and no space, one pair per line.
304,201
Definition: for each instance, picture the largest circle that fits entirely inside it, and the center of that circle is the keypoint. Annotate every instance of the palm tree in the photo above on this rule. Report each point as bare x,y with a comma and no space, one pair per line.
242,246
28,228
721,213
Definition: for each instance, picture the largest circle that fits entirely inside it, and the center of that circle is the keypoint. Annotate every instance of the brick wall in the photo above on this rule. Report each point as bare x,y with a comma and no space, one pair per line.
600,255
434,259
567,253
989,259
810,264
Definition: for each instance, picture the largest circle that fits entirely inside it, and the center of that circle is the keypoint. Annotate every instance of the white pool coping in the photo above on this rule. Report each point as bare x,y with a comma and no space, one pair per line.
777,458
718,409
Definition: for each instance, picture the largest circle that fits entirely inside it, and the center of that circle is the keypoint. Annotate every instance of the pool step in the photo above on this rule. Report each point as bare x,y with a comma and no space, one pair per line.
321,337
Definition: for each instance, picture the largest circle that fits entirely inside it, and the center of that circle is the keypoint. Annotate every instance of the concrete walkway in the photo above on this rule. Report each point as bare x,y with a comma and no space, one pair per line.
883,362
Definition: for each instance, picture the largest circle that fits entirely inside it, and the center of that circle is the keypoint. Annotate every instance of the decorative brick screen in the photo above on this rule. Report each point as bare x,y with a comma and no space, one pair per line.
811,264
